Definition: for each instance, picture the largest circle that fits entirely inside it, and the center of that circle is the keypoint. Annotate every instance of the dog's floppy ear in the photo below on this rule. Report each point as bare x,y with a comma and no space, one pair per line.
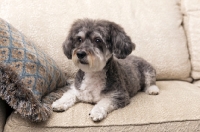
68,44
121,43
68,47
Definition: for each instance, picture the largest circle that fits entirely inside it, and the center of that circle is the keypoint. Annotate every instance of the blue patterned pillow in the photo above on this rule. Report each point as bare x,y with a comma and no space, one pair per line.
26,74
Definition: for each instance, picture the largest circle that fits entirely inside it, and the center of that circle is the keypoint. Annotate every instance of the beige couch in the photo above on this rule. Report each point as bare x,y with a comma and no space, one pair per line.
166,33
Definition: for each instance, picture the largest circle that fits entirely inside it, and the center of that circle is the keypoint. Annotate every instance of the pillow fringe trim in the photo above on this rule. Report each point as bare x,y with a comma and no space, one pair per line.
21,99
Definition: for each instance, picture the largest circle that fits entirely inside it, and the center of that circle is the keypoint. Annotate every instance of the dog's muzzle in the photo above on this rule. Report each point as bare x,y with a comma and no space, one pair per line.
88,59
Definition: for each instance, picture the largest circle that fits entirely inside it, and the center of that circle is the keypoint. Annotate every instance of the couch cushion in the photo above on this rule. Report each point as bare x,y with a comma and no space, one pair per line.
191,10
155,27
2,114
176,108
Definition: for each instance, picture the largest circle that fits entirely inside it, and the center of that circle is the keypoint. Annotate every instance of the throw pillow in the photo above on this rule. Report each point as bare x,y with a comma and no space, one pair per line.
27,74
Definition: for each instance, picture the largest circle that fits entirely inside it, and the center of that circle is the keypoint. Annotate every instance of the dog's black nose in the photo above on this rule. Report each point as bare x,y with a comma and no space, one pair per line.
81,54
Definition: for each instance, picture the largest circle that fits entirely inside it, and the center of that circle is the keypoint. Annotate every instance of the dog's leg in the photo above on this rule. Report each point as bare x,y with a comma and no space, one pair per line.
150,83
65,102
101,109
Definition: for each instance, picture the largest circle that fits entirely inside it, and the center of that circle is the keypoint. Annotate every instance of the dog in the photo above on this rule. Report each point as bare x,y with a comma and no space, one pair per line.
108,76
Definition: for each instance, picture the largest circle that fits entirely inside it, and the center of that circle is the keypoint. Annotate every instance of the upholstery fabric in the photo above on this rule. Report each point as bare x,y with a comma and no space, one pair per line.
26,74
191,12
155,27
180,112
197,83
2,114
184,126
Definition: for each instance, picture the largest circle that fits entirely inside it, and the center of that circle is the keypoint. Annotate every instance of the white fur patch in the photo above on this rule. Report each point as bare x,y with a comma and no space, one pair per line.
91,87
152,90
90,91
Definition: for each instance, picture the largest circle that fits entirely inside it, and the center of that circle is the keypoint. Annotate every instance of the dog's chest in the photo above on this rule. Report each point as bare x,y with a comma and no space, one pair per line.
91,87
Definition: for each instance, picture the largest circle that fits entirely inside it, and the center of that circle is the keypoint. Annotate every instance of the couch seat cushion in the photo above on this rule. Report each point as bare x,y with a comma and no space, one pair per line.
176,108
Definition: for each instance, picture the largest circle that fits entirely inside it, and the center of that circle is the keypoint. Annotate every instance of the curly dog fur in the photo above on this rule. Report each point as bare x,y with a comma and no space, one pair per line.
107,76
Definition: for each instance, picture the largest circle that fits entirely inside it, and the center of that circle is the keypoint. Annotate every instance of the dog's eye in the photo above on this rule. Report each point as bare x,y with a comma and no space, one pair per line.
98,40
79,39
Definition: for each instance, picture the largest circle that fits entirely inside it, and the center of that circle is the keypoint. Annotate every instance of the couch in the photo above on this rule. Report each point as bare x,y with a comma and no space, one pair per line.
166,34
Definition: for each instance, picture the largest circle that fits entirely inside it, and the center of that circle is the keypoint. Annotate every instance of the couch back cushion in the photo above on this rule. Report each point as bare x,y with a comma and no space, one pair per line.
154,26
191,11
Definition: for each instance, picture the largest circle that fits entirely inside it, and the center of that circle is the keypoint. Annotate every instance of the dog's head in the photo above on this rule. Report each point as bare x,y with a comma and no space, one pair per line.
91,43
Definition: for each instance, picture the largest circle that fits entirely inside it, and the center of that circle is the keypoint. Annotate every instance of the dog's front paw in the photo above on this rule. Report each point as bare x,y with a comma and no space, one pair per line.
59,106
65,102
98,113
152,90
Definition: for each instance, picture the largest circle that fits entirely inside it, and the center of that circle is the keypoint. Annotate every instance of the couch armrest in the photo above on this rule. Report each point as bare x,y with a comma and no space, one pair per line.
4,112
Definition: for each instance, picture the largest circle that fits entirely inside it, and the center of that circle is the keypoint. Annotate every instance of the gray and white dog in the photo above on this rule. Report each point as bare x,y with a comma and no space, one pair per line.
107,76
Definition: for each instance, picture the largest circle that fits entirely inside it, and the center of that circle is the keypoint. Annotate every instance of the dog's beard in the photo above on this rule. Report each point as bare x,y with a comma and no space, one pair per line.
95,62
